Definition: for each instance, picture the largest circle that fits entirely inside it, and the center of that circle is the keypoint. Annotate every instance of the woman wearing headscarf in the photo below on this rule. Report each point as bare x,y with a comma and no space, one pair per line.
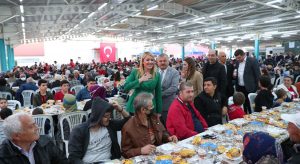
144,79
95,91
260,147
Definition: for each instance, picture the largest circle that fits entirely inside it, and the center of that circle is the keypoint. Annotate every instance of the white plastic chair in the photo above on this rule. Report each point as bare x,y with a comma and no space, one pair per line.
98,77
37,91
13,104
27,96
2,136
77,88
55,90
40,121
274,94
251,97
73,119
6,95
297,78
278,81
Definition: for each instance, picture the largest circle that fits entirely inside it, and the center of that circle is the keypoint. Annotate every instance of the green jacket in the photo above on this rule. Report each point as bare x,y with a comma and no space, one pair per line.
151,86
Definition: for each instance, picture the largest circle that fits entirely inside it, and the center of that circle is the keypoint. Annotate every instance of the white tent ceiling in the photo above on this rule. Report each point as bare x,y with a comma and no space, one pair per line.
156,21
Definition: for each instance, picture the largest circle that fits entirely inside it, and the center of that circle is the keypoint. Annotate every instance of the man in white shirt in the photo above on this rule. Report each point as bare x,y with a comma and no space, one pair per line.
248,74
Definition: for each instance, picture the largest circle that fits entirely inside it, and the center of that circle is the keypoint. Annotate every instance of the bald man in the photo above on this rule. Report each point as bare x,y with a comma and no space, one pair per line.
229,68
215,69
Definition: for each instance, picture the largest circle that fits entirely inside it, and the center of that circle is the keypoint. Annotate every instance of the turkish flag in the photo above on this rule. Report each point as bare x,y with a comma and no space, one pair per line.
107,52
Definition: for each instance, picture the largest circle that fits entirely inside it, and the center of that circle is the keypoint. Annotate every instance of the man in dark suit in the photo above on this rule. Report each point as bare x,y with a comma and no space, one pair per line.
169,84
213,68
229,68
248,74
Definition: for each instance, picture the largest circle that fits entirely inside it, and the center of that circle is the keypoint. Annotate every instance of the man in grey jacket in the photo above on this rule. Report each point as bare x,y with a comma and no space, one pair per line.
169,84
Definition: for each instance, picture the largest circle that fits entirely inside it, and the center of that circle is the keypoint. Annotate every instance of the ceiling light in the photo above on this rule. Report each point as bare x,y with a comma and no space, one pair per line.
153,7
278,45
22,9
194,33
23,25
215,15
76,26
152,39
114,24
285,35
157,29
82,21
99,30
21,0
181,23
274,20
274,1
124,20
271,33
239,40
247,24
298,16
91,14
211,30
138,13
102,6
22,19
130,35
171,36
201,18
275,6
226,28
23,30
169,26
138,33
182,35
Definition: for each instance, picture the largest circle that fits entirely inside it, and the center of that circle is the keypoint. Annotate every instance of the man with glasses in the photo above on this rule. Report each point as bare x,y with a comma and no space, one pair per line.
85,92
143,132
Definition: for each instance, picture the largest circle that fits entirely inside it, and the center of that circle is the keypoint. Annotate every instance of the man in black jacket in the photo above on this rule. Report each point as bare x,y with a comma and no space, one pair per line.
211,104
229,68
248,74
214,69
96,140
24,145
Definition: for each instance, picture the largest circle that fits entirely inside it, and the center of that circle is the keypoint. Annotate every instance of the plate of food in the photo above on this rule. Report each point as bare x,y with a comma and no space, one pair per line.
196,140
187,153
127,161
233,154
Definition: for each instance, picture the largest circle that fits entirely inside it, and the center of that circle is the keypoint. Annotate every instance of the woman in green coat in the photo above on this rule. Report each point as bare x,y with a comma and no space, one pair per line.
144,79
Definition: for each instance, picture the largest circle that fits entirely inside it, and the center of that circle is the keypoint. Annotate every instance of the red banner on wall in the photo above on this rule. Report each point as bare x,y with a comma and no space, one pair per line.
107,52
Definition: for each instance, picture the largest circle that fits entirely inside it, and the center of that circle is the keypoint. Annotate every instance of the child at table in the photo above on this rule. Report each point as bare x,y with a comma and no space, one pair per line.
5,112
236,110
3,103
281,97
39,111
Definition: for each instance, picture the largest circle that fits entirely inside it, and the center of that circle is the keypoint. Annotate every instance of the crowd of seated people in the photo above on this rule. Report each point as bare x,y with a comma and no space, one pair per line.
154,114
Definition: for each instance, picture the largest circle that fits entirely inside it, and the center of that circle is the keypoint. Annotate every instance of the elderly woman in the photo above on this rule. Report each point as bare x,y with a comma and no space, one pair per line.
144,79
260,147
143,132
289,88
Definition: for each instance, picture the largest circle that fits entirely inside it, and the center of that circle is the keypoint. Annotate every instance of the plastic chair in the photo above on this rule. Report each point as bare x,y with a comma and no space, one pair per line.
2,136
55,90
278,81
251,97
37,91
6,95
13,104
40,121
77,88
27,96
73,119
274,94
297,78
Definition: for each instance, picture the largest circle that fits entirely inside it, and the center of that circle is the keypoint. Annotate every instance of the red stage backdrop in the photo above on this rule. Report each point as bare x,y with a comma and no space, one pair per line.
107,52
